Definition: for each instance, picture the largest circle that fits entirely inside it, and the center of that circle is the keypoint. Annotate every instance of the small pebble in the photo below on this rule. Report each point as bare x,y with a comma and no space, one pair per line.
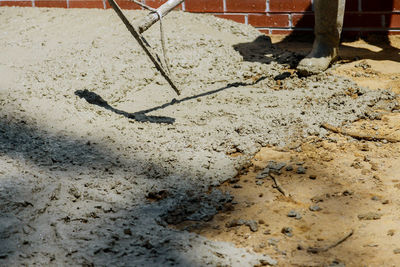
127,231
317,199
369,216
374,166
282,252
234,223
314,208
274,167
259,182
347,193
371,245
396,251
337,263
313,176
391,232
294,214
301,170
265,171
272,241
288,231
365,147
252,225
289,168
261,175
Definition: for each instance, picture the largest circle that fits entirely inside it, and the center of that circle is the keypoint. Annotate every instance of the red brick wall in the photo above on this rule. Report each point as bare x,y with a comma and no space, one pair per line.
269,16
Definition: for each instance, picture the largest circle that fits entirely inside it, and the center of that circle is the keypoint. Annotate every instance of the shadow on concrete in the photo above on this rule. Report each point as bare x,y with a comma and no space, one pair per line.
301,39
47,217
262,50
95,99
140,116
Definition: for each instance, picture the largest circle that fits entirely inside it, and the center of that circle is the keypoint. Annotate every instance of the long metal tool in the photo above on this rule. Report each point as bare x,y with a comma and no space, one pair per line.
145,45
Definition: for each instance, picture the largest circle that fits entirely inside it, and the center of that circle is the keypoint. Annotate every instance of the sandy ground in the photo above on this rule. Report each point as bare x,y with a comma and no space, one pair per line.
342,193
100,160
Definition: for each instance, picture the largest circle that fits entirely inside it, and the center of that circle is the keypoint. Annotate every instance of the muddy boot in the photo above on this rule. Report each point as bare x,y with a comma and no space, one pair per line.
328,26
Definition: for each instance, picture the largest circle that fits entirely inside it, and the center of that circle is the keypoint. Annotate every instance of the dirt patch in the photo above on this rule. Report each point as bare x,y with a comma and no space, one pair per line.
98,155
376,56
335,187
342,193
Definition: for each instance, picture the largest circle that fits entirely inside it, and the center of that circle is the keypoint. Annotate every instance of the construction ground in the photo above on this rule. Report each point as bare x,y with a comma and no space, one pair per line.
102,164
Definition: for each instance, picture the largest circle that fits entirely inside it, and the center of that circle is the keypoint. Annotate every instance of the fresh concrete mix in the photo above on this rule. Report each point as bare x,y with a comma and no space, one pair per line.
98,155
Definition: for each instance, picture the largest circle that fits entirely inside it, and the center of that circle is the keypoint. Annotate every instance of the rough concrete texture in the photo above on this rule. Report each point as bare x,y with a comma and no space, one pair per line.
89,129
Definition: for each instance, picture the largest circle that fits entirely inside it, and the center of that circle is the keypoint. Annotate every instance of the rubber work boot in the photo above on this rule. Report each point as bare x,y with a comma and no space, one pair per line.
328,26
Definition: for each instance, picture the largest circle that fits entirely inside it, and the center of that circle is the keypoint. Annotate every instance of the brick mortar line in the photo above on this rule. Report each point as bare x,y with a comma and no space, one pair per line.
310,12
373,12
294,13
228,13
372,29
344,29
284,29
251,13
266,14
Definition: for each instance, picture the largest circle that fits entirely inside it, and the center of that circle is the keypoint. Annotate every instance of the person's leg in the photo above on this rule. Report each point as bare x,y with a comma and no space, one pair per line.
328,26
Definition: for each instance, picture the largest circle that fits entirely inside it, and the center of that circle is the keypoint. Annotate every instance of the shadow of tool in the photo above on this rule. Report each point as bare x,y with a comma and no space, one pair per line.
95,99
177,101
141,116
